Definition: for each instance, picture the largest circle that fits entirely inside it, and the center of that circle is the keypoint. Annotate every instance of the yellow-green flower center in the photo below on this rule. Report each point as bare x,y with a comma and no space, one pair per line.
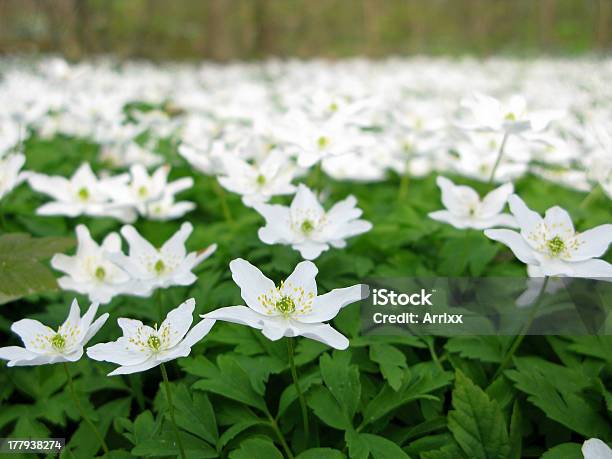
58,342
142,191
333,107
100,273
510,117
322,142
154,342
159,267
261,179
307,227
285,305
555,245
83,194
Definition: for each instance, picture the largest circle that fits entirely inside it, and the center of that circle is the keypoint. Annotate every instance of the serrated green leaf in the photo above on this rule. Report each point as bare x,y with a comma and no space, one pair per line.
477,422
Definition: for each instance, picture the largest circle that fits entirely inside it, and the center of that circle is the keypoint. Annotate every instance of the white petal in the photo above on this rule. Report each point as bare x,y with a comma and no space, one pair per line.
592,269
199,331
302,276
528,220
178,322
515,242
324,333
93,329
14,353
305,201
494,202
129,369
252,283
594,448
273,331
29,330
310,250
326,307
139,246
238,315
592,243
559,222
175,246
121,352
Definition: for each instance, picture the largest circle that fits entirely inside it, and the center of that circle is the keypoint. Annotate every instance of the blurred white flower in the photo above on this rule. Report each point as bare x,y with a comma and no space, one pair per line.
552,244
307,227
465,209
512,117
10,172
44,345
144,191
142,347
291,309
258,182
82,194
151,268
90,272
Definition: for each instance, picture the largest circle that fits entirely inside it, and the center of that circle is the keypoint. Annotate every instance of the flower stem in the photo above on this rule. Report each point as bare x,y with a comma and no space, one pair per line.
279,434
82,412
300,395
160,304
500,153
519,339
171,410
592,196
224,207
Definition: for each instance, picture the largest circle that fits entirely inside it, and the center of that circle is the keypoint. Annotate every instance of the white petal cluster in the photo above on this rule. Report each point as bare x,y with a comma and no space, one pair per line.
308,227
122,196
44,345
104,271
292,308
552,245
142,347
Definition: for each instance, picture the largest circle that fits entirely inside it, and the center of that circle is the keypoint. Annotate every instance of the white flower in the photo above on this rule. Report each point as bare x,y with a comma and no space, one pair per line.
552,244
307,227
489,114
153,268
10,175
82,194
258,182
465,209
44,345
594,448
144,191
142,347
207,162
291,309
90,272
316,140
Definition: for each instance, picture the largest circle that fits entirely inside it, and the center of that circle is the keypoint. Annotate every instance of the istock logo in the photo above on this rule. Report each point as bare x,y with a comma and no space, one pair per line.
383,297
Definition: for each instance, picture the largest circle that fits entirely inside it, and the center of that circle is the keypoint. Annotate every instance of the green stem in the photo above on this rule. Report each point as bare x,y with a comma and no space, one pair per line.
592,196
279,434
500,153
171,409
220,192
300,395
434,355
77,402
519,339
160,305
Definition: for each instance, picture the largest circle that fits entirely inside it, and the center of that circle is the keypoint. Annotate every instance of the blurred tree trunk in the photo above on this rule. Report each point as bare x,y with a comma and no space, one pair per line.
603,23
548,10
263,40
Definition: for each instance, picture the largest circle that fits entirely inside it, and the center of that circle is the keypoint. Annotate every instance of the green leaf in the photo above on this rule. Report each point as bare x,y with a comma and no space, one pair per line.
477,422
483,348
564,451
256,448
320,453
558,391
342,380
516,435
391,361
326,408
195,415
21,270
381,448
419,382
226,378
289,395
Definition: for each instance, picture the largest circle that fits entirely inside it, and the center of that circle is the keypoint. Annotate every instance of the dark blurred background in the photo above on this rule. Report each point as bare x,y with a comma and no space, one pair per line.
250,29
